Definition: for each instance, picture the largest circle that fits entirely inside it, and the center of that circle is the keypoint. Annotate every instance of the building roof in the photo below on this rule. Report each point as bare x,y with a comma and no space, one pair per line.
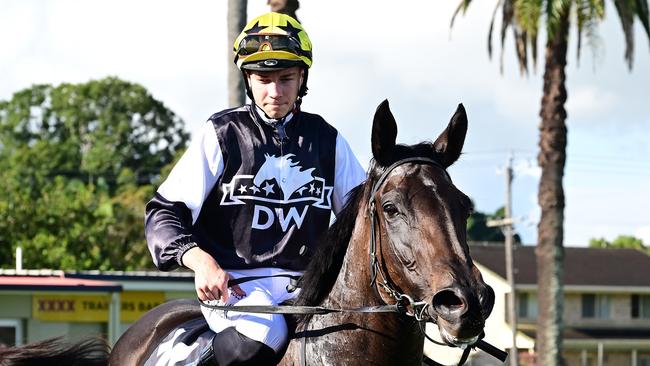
102,281
155,276
42,283
598,333
175,276
582,266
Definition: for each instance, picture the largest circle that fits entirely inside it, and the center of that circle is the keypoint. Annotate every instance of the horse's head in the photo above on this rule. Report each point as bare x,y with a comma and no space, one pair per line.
420,228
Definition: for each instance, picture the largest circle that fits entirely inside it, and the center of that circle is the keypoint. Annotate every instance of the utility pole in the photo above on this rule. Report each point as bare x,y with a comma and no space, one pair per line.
506,225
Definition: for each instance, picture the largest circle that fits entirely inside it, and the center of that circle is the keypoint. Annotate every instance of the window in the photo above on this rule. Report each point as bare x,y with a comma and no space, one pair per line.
595,306
641,306
11,332
644,359
527,305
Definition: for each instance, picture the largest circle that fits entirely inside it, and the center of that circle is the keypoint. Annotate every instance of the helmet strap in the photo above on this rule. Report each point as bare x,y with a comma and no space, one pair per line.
303,88
249,92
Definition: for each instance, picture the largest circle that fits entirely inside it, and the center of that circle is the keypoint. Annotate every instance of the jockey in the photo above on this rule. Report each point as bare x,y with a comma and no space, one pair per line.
252,194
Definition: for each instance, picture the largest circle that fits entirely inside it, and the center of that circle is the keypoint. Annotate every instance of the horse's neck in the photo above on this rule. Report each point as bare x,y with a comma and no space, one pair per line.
388,334
352,286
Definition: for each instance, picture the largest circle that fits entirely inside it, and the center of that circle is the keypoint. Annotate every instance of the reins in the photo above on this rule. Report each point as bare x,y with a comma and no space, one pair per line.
404,304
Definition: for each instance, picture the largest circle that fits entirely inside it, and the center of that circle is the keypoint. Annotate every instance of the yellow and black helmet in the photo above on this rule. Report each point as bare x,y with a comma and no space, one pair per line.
272,41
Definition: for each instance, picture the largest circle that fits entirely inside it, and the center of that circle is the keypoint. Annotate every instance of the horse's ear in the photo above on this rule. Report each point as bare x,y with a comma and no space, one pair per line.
384,133
450,142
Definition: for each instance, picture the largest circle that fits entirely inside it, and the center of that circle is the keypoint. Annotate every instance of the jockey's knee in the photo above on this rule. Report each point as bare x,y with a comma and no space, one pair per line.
230,348
272,331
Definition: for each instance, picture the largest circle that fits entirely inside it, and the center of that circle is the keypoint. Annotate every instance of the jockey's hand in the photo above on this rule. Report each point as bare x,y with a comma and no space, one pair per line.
210,280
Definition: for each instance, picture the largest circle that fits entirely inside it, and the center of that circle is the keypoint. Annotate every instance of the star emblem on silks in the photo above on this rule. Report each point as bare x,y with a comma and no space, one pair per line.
290,29
256,28
268,188
242,189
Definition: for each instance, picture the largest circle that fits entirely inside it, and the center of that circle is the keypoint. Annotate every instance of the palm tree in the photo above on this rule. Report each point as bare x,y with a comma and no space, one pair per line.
523,17
236,22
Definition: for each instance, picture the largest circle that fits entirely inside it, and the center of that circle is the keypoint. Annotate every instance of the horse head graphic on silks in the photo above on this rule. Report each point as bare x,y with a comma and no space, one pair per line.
296,185
294,179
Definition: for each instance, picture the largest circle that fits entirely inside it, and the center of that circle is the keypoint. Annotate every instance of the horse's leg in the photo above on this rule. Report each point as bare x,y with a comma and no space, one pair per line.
136,344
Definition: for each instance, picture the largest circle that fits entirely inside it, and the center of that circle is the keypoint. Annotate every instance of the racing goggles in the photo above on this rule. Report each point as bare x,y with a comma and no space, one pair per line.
268,42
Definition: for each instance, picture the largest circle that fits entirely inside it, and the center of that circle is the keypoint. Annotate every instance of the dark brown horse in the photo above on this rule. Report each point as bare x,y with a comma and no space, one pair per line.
400,242
420,249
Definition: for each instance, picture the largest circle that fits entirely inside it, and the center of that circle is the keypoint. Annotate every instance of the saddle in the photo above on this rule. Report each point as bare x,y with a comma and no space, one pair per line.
184,345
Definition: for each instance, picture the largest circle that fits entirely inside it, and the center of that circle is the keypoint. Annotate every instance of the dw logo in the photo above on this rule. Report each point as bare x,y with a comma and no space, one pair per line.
277,189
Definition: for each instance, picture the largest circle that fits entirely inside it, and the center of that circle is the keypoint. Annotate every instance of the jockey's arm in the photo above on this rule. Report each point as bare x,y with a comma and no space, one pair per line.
210,280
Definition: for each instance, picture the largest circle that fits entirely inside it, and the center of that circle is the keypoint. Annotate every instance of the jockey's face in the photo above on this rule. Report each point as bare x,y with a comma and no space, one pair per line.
276,91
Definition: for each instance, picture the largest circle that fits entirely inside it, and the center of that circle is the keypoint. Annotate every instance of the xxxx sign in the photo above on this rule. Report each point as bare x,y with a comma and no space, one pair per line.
92,308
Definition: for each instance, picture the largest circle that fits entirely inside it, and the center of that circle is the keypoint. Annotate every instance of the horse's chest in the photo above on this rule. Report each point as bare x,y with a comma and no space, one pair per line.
350,342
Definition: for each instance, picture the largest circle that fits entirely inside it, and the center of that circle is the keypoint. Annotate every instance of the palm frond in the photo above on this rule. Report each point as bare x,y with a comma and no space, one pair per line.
521,45
533,50
494,14
556,12
589,13
625,9
528,14
642,12
507,21
462,6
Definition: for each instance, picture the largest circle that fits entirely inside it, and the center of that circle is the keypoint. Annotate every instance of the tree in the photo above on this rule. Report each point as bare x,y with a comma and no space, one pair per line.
78,162
621,241
236,22
477,229
523,18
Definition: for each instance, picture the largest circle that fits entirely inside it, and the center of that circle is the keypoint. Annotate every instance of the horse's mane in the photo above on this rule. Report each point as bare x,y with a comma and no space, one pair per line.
325,265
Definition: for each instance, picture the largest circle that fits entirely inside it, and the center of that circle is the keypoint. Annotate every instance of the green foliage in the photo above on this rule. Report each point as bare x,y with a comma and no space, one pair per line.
621,241
524,18
78,162
477,229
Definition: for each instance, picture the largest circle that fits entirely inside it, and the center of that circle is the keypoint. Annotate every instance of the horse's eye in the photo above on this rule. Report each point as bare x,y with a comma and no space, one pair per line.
390,209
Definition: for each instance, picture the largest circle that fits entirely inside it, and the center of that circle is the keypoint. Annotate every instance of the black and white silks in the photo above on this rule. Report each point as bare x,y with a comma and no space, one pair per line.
252,193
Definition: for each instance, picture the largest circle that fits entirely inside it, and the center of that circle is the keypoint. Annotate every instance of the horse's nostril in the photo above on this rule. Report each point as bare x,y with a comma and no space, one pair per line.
448,303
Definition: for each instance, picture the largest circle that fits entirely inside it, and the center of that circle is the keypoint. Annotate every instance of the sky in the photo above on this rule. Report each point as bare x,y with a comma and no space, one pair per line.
365,52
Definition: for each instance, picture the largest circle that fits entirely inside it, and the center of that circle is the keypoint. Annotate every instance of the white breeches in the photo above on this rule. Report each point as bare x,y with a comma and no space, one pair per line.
270,329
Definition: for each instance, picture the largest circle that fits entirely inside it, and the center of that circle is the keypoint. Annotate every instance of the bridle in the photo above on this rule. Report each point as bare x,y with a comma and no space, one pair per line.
404,301
418,307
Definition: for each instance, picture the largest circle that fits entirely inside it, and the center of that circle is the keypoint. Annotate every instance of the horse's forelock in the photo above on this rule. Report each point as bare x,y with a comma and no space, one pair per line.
423,149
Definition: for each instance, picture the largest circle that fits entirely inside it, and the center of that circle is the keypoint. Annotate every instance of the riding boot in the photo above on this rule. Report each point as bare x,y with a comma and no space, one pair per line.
231,348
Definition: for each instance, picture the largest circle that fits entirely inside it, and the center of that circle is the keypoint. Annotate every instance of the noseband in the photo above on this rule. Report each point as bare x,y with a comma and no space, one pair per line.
418,307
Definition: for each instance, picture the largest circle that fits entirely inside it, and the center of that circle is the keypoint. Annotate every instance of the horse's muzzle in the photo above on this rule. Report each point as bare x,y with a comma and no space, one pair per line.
461,312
